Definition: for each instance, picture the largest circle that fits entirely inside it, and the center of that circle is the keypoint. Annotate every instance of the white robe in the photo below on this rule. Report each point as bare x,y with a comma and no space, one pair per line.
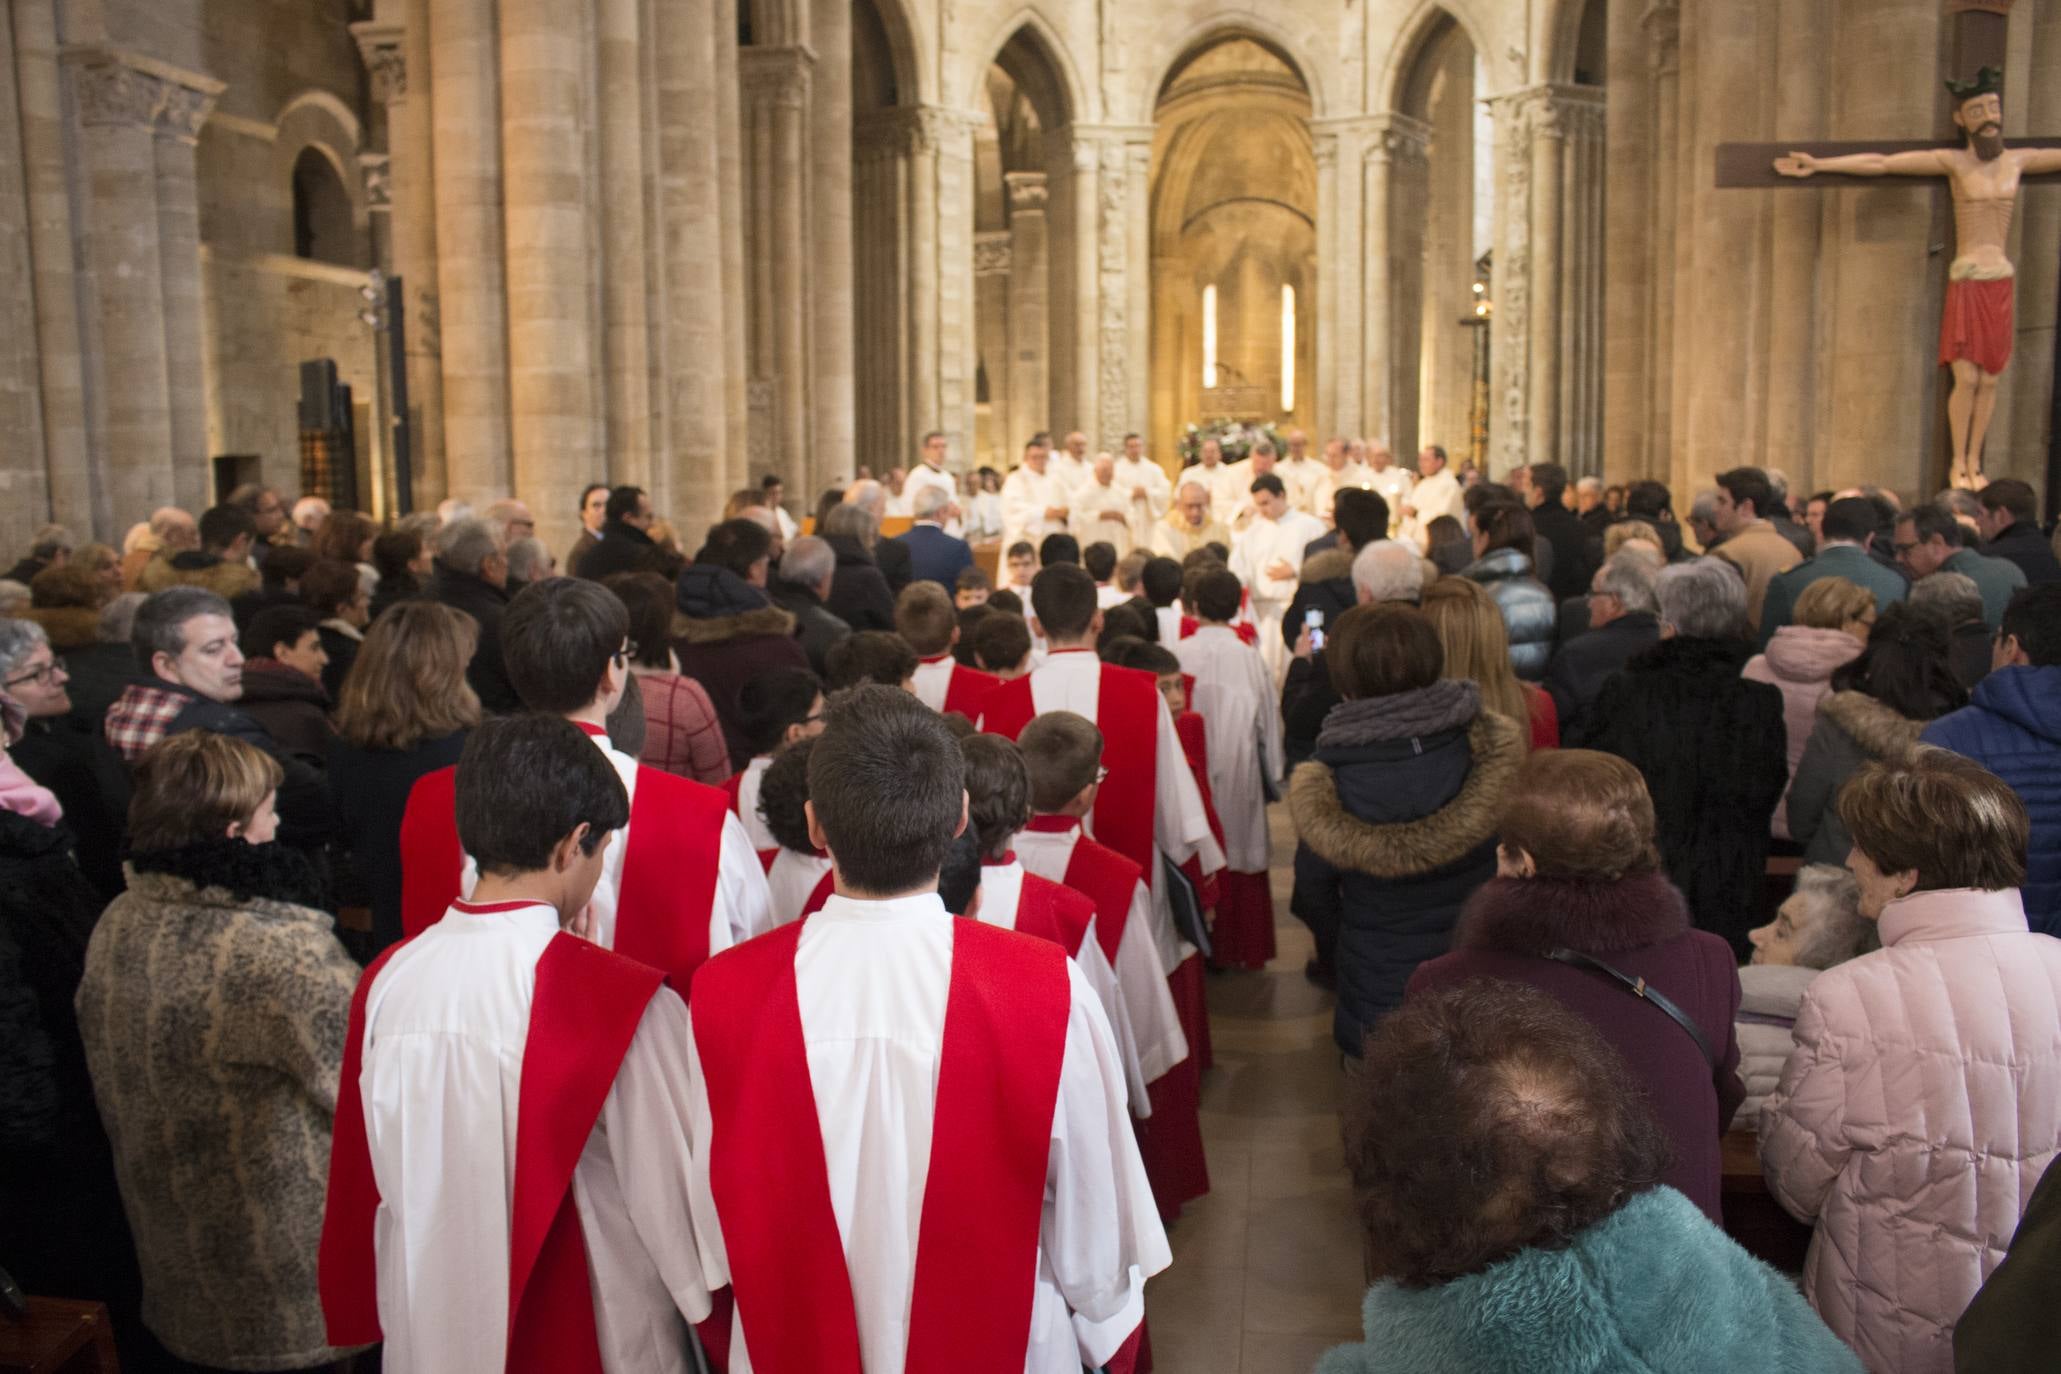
924,475
1026,496
1070,471
791,881
933,682
984,510
1091,503
742,907
1304,481
871,979
1334,481
1142,955
1243,725
1146,510
1433,496
748,785
1001,893
789,531
1394,484
446,1022
1257,547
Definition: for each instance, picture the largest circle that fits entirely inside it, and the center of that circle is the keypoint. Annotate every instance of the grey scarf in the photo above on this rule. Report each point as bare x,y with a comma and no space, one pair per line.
1445,705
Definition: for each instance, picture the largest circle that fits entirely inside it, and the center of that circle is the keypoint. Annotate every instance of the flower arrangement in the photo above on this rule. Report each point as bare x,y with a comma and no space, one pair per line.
1235,437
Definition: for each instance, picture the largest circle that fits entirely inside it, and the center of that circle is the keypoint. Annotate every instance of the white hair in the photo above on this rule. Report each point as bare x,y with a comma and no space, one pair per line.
528,559
807,562
929,501
309,512
868,495
1628,575
467,544
1704,598
1387,570
1588,484
18,639
1954,593
1840,932
451,510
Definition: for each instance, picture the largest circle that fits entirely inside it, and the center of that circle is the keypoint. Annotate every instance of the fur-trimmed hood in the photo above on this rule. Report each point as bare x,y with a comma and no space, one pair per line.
1403,848
275,879
1328,566
1873,726
1596,916
67,627
766,620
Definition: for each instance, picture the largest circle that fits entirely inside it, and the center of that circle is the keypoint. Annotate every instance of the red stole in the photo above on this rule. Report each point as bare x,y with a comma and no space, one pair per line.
1051,912
732,786
1244,629
583,1015
825,887
976,1251
1105,877
1127,706
1193,733
668,891
967,693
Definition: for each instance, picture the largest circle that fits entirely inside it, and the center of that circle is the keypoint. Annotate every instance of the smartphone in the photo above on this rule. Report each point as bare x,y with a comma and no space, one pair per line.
1313,621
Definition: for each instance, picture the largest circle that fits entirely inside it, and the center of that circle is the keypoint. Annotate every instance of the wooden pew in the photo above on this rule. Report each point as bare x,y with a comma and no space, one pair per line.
1752,1215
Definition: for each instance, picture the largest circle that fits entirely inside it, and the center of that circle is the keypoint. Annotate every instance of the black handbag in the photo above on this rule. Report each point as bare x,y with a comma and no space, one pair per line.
1645,992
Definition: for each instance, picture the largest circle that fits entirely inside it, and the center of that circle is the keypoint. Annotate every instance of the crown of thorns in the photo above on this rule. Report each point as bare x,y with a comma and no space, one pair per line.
1988,81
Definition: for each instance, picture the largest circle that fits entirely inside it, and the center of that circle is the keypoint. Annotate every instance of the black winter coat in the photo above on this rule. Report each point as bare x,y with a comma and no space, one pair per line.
622,548
91,783
1394,837
2024,545
1564,530
484,602
1713,748
1326,586
814,625
1583,664
860,594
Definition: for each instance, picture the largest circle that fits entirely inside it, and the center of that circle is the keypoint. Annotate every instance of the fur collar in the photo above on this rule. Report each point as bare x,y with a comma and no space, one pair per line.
1693,656
1533,915
766,620
1448,704
228,872
1403,849
1328,566
1873,726
67,627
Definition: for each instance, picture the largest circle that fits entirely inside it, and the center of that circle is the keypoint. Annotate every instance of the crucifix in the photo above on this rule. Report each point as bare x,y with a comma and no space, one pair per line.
1984,176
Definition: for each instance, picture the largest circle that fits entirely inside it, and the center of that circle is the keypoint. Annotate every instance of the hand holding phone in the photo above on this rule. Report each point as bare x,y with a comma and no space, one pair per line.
1313,621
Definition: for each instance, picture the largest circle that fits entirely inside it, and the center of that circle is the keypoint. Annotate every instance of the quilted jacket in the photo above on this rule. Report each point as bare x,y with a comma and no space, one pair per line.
2012,726
1915,1117
1529,610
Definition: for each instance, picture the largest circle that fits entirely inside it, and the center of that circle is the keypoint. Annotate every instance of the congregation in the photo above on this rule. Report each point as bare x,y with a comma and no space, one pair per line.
425,949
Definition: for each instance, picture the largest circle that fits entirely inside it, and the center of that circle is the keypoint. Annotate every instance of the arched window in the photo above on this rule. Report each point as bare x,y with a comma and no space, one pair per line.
322,229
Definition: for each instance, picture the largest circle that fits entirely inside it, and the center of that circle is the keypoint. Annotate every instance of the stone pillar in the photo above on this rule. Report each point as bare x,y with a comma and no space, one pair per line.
943,163
1549,132
76,499
2016,446
1801,107
626,326
465,114
1579,442
1352,283
776,94
729,135
1028,340
24,476
551,345
177,134
1632,260
1398,182
696,312
131,370
1335,412
390,53
832,431
1137,219
1510,366
993,278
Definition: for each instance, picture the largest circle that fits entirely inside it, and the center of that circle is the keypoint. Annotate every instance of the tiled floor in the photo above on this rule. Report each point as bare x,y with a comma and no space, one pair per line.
1266,1271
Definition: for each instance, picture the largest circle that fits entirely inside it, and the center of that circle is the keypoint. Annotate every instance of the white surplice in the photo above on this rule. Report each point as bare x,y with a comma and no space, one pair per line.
924,475
1304,481
1144,952
1026,496
1001,893
1433,496
984,517
872,979
791,881
1093,504
1236,701
446,1022
1258,546
1147,509
1070,471
748,785
1169,618
742,907
1393,483
1335,480
789,531
933,681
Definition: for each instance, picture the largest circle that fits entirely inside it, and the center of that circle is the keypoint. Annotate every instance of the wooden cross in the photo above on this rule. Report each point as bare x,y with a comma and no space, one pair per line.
1978,40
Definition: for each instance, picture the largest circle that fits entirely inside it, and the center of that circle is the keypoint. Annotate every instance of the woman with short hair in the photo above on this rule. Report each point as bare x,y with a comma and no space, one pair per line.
682,735
1818,925
1580,908
1511,1196
1827,630
1919,1109
1396,812
212,1010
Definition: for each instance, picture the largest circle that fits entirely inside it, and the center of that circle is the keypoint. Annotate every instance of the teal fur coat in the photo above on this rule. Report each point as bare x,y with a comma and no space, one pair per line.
1653,1288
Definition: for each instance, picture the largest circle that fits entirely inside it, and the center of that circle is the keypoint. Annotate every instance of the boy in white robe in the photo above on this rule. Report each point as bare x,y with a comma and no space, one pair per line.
799,869
1267,557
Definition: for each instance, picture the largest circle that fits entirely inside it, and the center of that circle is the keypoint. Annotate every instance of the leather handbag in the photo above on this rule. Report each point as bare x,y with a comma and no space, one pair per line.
1645,992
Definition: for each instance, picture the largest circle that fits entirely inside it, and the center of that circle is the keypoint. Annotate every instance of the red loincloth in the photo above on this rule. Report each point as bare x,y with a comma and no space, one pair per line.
1978,323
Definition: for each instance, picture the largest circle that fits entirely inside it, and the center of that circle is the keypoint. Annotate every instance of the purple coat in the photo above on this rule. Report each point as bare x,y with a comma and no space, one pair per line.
1638,925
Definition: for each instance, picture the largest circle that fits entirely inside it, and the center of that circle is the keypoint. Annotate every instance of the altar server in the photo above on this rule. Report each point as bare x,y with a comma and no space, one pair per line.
1267,556
798,881
773,711
924,616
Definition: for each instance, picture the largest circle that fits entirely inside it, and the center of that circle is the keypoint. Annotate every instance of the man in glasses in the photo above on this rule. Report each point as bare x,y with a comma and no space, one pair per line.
681,881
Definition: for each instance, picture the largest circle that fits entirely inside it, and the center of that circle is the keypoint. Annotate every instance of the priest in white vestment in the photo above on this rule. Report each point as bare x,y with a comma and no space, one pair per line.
1102,508
1148,487
1034,500
1267,558
447,1019
868,978
1302,473
1392,481
1189,525
1070,462
1437,493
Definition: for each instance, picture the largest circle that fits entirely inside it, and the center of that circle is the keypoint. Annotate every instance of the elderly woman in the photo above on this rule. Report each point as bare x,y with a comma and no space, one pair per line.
1397,811
1878,705
1580,909
859,591
1510,1193
212,1010
1955,598
1818,926
1829,629
62,751
1504,539
1919,1111
1710,744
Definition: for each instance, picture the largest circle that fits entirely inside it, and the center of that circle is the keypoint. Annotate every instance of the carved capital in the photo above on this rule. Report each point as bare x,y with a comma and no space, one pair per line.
1399,139
120,88
991,254
377,169
778,77
910,131
1663,25
1324,147
379,48
1026,191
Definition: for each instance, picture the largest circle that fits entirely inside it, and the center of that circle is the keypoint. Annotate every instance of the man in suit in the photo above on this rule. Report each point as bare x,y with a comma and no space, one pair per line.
935,554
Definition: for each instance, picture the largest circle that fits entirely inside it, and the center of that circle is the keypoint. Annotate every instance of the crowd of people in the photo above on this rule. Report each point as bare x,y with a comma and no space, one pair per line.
385,909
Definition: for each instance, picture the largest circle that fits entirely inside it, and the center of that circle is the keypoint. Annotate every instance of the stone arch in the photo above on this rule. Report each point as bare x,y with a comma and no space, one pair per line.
322,227
903,44
317,122
1575,33
1426,25
1220,28
1028,47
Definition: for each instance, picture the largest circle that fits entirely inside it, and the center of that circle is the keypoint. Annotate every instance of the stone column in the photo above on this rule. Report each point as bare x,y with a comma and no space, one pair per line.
1579,442
1548,148
2016,446
1801,106
729,135
465,114
1352,244
178,215
776,94
1510,367
1629,253
1398,180
831,431
1137,219
993,275
551,347
390,53
1337,408
24,472
945,144
626,326
695,315
1029,340
1664,65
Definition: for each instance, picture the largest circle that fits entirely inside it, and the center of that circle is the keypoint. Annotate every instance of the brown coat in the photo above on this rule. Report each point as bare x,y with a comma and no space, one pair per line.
188,569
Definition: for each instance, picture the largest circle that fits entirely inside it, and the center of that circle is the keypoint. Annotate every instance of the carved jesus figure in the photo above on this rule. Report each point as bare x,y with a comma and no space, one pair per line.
1976,332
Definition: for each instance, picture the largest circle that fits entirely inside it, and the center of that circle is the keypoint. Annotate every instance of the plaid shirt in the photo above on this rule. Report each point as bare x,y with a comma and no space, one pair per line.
140,717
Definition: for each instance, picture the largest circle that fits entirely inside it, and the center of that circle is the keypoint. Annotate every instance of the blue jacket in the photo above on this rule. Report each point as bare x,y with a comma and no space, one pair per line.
1849,561
1653,1288
1529,610
935,556
2012,726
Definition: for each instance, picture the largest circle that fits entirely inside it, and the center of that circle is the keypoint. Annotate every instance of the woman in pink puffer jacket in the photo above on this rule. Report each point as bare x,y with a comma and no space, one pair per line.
1923,1100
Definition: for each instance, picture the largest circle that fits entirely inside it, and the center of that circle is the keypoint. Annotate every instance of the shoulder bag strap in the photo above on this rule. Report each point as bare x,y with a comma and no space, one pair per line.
1640,988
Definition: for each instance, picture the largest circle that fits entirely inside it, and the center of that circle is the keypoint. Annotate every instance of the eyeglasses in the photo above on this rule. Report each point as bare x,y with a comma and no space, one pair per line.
42,676
1101,776
626,653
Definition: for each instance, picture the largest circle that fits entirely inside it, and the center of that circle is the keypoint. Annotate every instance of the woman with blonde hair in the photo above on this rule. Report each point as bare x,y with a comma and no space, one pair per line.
1477,649
405,712
212,1012
1828,631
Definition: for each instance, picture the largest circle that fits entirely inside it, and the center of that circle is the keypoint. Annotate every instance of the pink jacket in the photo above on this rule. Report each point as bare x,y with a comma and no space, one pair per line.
1922,1104
1800,661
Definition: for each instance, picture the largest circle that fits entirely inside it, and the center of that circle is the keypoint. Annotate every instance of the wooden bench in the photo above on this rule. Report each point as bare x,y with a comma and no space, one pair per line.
59,1337
1752,1215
